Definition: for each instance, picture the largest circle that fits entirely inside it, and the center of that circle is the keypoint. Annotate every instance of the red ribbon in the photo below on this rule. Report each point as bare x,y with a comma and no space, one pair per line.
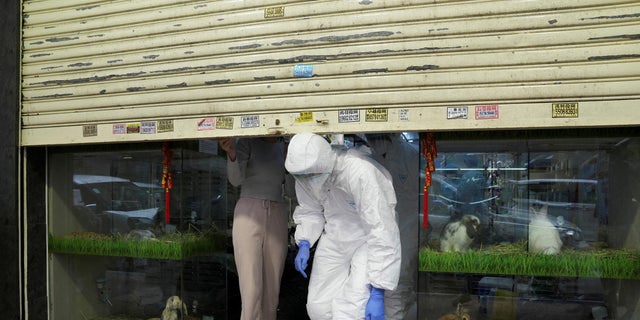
167,180
167,206
428,143
425,214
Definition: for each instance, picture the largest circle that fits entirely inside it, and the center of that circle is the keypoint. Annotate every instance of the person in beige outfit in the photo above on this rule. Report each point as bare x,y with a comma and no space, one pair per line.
260,222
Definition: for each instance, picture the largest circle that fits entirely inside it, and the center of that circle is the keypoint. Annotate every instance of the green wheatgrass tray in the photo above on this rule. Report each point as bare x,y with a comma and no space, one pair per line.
169,247
513,259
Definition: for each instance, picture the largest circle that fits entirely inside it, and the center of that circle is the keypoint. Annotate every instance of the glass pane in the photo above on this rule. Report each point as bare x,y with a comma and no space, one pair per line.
533,229
117,235
126,244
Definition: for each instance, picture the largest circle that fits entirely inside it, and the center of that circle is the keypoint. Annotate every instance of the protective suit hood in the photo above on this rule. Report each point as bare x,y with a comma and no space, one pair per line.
309,153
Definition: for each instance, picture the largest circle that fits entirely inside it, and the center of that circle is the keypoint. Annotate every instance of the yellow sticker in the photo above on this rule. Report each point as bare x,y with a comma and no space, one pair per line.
90,130
133,127
304,117
376,115
274,12
165,126
224,122
564,110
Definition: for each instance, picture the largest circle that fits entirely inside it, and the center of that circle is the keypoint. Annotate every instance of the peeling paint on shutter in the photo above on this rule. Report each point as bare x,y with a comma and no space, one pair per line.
94,66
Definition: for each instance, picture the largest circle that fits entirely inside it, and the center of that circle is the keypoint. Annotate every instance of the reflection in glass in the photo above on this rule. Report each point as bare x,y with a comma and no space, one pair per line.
558,229
113,254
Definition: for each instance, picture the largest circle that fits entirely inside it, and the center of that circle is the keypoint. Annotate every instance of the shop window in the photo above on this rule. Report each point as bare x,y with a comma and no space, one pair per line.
117,254
126,245
558,229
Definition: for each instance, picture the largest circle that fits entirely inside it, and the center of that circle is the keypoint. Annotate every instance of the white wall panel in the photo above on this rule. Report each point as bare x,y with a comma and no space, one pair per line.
91,65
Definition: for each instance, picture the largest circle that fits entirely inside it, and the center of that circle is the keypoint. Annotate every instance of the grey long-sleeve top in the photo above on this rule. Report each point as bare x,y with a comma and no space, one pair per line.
258,168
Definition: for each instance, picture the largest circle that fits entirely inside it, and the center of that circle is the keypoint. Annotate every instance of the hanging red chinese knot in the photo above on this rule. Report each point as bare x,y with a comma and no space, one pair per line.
429,152
167,180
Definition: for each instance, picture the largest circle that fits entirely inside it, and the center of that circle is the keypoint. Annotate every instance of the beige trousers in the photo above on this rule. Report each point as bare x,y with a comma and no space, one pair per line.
260,250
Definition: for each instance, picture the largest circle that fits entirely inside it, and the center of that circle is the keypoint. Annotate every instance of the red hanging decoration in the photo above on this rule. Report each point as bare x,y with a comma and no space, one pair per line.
428,146
167,180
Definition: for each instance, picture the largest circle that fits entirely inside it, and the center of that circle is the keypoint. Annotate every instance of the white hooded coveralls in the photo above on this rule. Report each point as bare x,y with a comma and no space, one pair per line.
353,222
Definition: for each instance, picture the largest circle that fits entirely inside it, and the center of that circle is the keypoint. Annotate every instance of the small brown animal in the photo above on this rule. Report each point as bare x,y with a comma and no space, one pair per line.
460,314
174,307
458,235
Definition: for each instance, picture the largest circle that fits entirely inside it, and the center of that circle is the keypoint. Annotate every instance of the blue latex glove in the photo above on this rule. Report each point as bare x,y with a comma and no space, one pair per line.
375,305
302,257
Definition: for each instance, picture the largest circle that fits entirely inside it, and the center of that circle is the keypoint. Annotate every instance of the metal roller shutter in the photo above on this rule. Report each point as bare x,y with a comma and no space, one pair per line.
108,71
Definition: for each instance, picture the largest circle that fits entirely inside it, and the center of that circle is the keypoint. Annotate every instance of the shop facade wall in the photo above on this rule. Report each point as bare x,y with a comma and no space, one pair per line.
35,286
10,217
83,101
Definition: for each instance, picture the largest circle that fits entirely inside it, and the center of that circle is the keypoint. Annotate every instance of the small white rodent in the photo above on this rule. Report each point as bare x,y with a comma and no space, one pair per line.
458,235
543,235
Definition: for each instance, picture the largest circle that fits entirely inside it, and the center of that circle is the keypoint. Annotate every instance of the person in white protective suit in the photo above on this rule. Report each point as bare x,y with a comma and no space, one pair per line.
402,160
346,205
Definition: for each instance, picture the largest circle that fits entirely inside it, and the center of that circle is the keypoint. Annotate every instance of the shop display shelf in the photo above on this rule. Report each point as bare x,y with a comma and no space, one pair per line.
170,247
513,259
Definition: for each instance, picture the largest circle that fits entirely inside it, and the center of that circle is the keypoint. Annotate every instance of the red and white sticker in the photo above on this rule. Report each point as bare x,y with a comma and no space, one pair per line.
487,112
207,124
